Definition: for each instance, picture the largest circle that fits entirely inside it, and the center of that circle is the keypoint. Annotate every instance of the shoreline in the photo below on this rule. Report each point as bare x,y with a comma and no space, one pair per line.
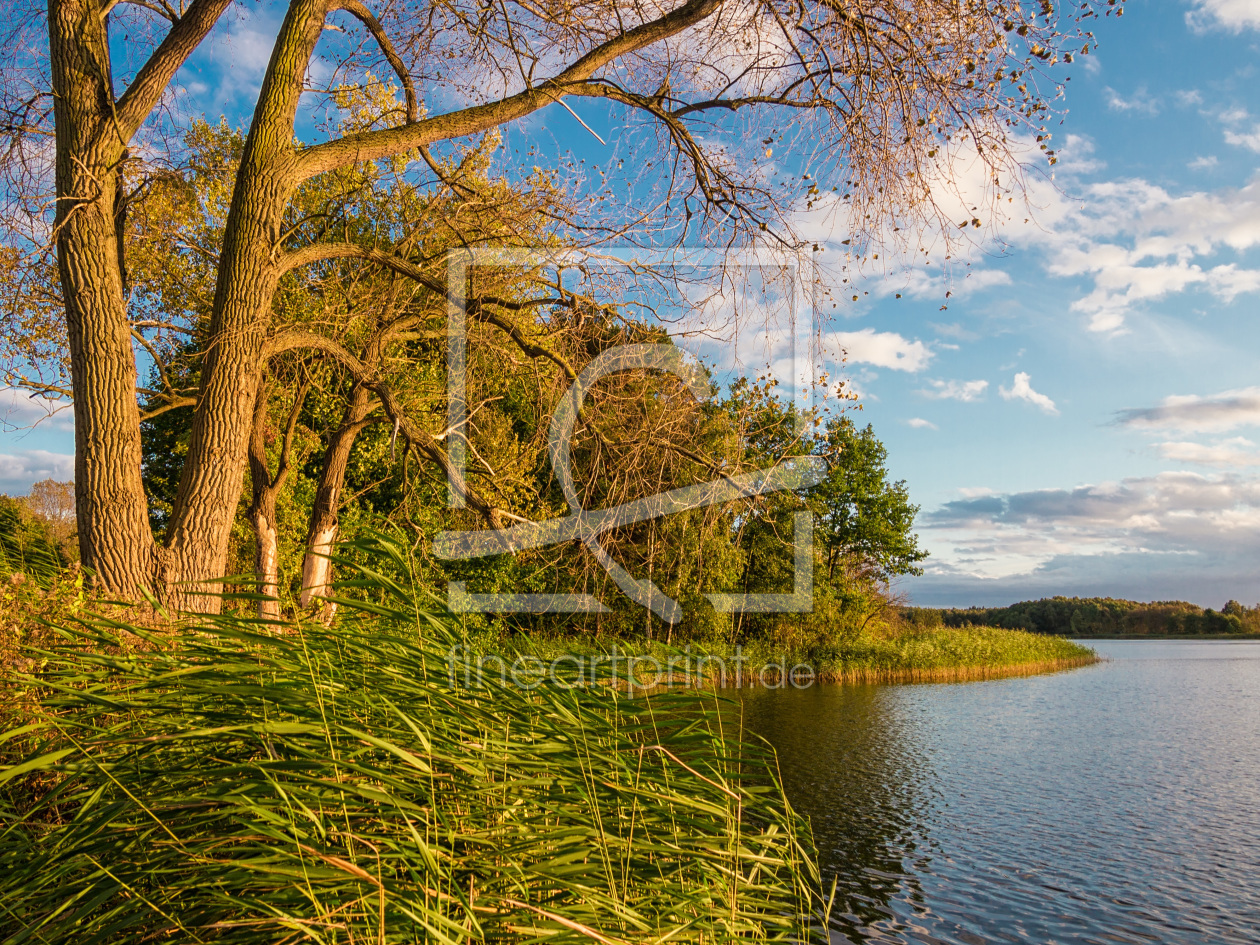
943,655
959,674
936,674
1174,638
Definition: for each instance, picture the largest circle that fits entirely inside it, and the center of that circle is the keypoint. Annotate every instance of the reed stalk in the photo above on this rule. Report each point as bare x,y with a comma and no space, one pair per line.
235,781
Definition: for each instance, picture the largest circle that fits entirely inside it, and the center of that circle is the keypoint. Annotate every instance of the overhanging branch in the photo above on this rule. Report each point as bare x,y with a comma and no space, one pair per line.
385,142
481,308
365,16
419,438
156,74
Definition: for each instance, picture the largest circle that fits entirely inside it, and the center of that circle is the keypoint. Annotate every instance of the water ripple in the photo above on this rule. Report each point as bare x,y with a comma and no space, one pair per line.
1119,803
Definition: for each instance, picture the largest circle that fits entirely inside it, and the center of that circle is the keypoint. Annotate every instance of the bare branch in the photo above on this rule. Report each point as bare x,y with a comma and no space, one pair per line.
290,427
360,12
419,438
384,142
156,74
164,10
479,308
173,404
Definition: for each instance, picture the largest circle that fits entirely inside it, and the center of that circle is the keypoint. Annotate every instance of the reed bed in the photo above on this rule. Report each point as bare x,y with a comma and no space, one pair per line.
950,674
946,654
231,783
904,654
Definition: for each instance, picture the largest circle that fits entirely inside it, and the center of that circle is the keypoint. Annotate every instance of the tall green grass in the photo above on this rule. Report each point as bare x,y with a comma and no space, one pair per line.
238,782
901,653
945,654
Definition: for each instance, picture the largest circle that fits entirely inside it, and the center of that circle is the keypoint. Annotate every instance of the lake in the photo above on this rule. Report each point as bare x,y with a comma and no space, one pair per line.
1115,803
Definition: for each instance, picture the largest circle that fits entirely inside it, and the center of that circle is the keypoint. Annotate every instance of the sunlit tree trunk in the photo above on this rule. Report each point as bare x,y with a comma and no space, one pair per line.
265,490
262,513
322,537
115,540
214,469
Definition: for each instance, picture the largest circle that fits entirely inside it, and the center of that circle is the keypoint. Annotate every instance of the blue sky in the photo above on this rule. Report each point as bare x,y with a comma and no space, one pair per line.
1083,417
1094,431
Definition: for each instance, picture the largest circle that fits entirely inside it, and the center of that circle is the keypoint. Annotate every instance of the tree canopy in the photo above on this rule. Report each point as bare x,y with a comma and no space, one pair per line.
135,230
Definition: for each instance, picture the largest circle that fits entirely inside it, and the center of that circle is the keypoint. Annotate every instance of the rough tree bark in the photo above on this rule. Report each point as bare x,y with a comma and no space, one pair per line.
213,471
92,134
115,541
904,75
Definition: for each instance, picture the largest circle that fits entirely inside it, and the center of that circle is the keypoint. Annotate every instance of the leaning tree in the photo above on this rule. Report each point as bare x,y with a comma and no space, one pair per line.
753,110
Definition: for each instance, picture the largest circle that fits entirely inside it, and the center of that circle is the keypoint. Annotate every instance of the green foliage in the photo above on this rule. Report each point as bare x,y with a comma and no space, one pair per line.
232,782
640,432
1100,616
894,652
858,512
863,525
28,546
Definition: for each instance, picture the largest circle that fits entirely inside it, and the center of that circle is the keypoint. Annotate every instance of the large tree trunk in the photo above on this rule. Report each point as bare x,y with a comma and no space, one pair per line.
322,536
115,540
210,485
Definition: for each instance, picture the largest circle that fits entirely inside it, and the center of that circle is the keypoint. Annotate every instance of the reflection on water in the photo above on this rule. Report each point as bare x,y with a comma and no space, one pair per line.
1119,803
850,761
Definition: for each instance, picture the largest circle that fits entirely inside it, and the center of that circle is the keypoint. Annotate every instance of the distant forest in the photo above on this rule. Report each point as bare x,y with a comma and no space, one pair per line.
1098,616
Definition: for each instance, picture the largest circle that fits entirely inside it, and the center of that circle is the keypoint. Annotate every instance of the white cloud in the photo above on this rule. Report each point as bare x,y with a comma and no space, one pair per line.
1131,242
920,424
239,59
966,391
1234,120
885,349
1244,139
1228,282
936,283
1135,241
954,330
1203,163
1172,511
975,492
1214,413
20,410
19,470
1140,101
1235,452
1140,243
1021,389
1101,537
1235,15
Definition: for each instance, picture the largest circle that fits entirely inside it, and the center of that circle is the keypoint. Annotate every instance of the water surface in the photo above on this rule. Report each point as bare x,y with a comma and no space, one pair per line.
1118,803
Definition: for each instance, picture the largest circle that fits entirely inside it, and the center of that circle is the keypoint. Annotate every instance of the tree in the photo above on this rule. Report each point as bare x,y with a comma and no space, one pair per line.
860,515
369,339
28,546
877,87
863,523
52,503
